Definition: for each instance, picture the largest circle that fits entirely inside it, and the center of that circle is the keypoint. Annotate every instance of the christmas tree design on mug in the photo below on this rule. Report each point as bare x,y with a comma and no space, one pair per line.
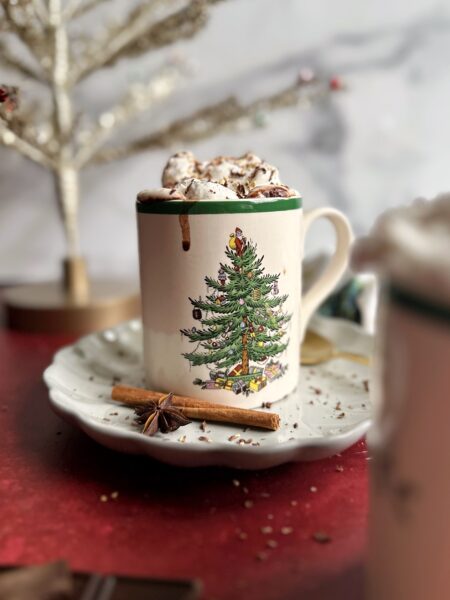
243,324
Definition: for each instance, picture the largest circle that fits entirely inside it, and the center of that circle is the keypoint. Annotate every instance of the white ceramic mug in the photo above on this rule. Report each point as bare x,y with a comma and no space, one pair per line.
224,320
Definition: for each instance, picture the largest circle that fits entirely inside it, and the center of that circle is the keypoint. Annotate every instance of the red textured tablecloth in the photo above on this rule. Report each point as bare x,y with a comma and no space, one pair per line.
169,522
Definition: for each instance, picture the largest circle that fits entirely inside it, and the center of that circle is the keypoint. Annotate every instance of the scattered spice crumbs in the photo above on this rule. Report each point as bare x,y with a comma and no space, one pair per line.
243,442
341,416
103,498
366,385
236,482
313,489
114,495
287,530
266,529
204,438
248,504
321,537
262,556
339,468
271,543
233,437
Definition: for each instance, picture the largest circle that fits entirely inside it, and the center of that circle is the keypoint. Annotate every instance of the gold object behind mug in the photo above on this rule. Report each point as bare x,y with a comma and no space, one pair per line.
318,349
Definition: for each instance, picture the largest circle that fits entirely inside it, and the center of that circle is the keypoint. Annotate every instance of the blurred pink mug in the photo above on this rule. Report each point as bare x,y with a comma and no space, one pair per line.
409,525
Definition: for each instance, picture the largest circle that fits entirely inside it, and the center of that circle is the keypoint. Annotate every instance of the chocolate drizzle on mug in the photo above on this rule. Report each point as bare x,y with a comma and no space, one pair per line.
185,232
164,195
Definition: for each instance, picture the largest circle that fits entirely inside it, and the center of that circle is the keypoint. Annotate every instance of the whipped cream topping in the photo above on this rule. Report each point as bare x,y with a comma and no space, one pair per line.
222,178
194,189
238,176
181,165
411,246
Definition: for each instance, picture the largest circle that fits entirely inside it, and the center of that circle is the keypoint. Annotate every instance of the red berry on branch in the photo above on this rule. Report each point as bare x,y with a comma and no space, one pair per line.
336,84
9,97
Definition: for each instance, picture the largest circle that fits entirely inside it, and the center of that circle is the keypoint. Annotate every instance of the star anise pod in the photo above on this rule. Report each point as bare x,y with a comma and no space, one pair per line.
159,416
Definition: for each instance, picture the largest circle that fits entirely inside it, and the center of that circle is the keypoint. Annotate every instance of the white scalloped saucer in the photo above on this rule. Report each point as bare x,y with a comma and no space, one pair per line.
330,411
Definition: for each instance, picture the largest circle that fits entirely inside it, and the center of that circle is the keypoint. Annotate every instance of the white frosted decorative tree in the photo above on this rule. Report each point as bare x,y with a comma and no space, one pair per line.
57,56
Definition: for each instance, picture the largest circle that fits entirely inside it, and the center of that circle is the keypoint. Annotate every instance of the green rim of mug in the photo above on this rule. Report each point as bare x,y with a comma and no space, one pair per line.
219,207
419,304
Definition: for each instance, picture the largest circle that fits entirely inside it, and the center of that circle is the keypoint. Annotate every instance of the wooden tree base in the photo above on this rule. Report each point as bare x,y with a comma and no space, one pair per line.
46,307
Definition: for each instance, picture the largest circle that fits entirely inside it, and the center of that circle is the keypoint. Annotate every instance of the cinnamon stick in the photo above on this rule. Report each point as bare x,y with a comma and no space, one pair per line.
134,396
193,408
236,416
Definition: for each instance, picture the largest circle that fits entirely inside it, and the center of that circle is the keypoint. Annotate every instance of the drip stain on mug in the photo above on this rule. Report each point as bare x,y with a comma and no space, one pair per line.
185,232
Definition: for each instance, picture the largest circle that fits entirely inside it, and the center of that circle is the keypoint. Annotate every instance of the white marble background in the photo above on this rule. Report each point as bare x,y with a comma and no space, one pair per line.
382,142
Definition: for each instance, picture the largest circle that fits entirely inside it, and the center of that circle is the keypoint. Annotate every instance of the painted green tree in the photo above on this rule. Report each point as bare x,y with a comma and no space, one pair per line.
242,318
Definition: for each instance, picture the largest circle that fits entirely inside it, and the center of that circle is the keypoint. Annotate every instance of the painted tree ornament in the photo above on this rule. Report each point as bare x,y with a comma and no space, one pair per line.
261,328
222,277
241,301
256,294
197,314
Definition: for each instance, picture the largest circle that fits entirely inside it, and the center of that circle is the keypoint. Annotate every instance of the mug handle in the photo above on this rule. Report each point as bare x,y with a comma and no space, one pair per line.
336,266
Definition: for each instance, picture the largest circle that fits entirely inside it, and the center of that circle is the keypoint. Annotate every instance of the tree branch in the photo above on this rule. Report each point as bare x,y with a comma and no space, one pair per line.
77,8
140,34
10,61
212,119
138,99
31,36
41,11
10,138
